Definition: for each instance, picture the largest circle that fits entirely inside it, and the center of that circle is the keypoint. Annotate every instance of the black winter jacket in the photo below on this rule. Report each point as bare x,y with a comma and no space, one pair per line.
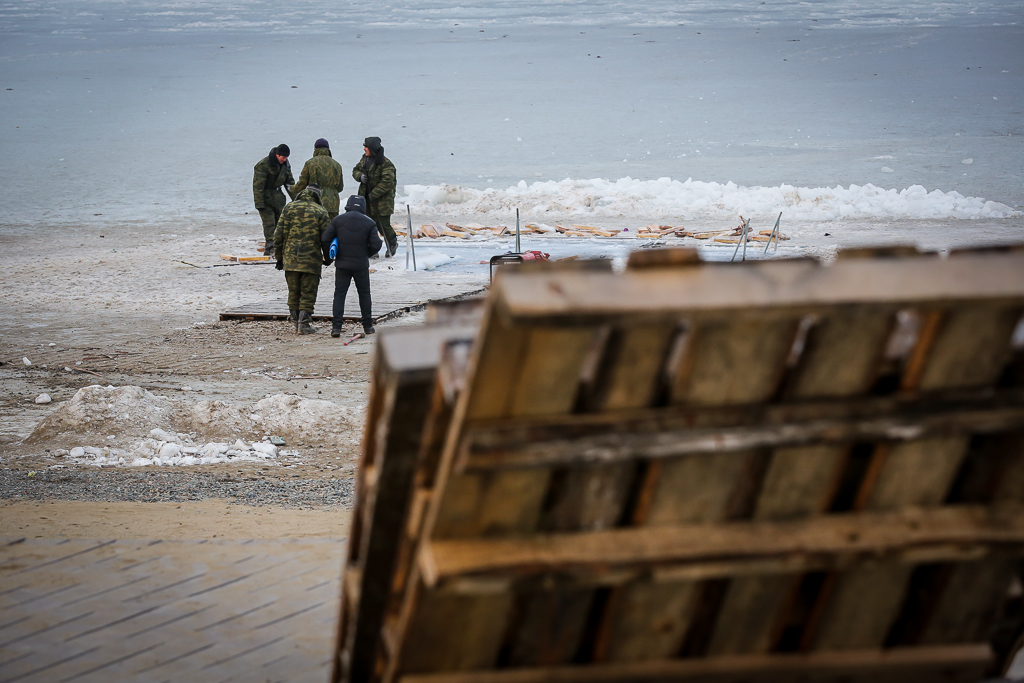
357,237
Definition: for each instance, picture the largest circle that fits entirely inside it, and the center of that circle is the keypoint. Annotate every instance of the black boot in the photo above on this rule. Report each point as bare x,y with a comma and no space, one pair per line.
293,318
335,332
368,329
303,325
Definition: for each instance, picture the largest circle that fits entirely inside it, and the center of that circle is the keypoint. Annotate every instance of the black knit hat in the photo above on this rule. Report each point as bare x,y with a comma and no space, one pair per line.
321,143
283,150
316,188
372,144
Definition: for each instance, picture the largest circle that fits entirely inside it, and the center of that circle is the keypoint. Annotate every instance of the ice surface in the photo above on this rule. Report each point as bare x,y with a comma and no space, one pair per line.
154,112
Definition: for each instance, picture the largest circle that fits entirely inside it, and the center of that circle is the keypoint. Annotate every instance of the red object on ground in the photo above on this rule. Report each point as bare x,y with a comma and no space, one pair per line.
535,256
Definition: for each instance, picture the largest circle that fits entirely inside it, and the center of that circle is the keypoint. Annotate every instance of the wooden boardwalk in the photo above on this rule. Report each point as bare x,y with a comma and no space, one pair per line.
383,306
111,611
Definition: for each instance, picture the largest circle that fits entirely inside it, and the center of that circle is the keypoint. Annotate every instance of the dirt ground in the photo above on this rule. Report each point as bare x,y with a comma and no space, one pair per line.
118,307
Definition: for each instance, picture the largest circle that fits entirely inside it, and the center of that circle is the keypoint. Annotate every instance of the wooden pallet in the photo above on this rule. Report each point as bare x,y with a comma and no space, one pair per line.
770,471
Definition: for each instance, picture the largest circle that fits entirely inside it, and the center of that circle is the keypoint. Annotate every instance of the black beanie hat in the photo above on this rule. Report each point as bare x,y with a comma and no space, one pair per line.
321,143
372,144
283,150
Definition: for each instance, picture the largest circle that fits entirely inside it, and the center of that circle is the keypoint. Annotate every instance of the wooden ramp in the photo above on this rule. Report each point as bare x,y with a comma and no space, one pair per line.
771,471
127,611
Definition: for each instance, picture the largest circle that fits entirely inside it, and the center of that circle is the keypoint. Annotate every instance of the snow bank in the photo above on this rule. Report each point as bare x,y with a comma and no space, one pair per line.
667,198
131,426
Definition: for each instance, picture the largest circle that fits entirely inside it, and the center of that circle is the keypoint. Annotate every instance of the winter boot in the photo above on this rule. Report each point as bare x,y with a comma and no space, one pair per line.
335,332
303,325
293,318
368,329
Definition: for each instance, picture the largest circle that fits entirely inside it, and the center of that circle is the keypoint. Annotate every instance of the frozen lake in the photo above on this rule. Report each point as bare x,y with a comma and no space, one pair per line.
154,112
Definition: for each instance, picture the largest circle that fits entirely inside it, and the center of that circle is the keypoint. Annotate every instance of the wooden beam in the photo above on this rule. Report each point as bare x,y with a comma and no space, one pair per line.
948,664
666,433
761,288
871,535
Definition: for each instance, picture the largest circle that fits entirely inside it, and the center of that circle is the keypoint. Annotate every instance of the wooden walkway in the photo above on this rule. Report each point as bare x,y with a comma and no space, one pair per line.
382,308
110,611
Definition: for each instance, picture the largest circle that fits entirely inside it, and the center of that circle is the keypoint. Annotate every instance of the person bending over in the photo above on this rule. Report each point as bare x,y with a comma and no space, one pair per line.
297,244
357,242
325,172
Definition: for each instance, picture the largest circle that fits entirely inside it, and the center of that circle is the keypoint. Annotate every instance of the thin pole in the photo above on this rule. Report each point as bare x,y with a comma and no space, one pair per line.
518,250
412,248
743,237
775,234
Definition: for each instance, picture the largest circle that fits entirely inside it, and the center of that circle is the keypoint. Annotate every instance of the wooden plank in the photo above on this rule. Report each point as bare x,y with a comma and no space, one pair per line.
387,508
769,286
554,617
734,362
520,371
539,444
908,529
947,664
739,361
962,347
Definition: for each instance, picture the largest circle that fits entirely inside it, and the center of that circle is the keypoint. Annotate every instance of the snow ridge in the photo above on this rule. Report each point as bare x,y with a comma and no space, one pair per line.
668,198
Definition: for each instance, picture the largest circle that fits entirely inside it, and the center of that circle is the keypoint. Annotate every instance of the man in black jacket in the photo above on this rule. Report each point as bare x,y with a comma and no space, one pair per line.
357,242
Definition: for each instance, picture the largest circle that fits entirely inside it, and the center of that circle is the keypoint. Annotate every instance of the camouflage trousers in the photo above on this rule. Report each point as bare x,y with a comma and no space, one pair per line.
386,231
269,216
302,288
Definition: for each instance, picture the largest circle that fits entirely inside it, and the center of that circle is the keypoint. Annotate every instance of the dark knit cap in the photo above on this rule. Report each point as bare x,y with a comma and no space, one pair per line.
283,150
321,143
372,144
315,187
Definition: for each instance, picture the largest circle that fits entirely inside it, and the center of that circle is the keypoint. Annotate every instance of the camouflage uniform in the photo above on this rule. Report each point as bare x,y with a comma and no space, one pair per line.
380,195
297,243
268,176
325,172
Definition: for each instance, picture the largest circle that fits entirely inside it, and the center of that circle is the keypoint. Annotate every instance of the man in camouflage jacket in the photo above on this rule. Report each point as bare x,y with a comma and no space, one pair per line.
377,182
325,172
268,176
297,244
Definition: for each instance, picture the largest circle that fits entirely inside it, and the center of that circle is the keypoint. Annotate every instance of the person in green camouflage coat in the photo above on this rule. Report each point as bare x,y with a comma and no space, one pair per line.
325,172
299,254
268,176
377,182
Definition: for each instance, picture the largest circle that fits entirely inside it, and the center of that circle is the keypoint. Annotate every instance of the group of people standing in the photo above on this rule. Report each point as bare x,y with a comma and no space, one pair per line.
299,234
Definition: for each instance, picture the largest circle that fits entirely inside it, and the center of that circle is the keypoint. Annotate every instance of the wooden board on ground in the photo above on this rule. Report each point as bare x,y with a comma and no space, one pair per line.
714,472
382,308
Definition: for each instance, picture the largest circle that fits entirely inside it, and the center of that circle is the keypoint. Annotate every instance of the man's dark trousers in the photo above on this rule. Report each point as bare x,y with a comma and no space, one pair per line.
342,277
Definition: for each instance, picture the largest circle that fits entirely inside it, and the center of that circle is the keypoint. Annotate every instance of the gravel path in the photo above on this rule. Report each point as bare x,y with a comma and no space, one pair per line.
149,487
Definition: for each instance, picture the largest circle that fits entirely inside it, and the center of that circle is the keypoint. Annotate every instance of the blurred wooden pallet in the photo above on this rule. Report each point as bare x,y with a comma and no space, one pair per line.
771,471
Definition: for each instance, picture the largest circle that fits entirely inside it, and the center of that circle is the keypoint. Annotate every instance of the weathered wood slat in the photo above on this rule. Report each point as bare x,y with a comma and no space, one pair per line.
948,664
963,347
865,533
722,363
767,288
665,436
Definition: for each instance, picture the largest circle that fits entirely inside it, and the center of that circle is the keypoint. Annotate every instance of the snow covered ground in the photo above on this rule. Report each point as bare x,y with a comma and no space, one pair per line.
152,113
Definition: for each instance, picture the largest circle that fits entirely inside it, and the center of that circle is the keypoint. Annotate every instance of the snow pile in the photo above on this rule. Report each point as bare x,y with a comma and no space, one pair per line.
428,259
136,427
163,448
664,198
